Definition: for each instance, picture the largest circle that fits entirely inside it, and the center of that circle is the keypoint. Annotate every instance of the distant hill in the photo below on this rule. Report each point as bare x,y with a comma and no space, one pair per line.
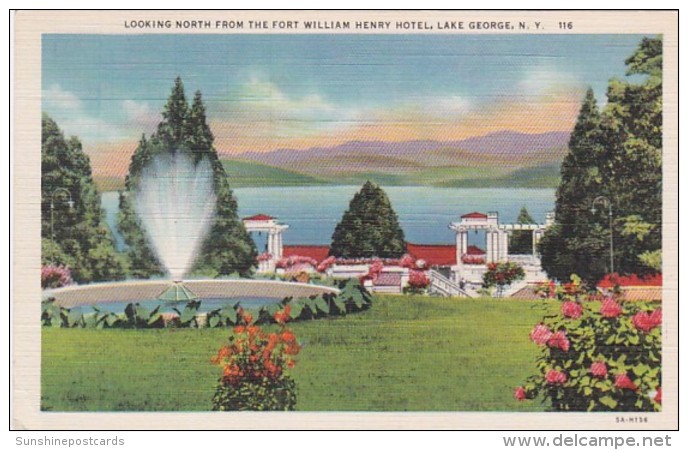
499,159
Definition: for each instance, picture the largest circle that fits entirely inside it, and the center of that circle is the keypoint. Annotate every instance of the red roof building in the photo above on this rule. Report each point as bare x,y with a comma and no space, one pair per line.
317,252
433,255
260,217
474,215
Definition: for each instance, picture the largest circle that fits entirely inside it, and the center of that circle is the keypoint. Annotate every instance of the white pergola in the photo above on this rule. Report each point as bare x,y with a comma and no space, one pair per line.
496,237
273,229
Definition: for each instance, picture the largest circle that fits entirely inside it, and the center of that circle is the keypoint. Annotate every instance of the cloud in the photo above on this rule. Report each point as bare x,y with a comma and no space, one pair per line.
270,110
140,115
56,97
71,115
97,121
546,80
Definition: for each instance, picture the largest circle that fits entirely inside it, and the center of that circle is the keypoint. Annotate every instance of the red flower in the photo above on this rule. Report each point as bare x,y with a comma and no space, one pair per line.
520,393
559,340
599,369
656,317
658,396
288,336
623,382
572,310
643,322
556,377
540,334
610,308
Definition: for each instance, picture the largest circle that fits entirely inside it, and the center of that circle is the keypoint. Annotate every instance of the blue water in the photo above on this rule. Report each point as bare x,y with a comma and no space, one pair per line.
424,212
207,304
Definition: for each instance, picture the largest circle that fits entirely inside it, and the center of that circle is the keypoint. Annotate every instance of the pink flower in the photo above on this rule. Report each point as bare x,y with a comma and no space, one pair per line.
520,393
646,322
407,261
658,396
571,310
623,382
556,377
610,308
55,276
559,340
540,334
418,279
599,369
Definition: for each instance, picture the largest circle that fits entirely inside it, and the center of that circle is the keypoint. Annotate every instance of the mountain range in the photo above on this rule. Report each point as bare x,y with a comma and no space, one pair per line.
504,158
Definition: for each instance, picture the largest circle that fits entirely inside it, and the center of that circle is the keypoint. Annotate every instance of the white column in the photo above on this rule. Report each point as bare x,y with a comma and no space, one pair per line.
464,242
280,247
488,246
271,243
504,245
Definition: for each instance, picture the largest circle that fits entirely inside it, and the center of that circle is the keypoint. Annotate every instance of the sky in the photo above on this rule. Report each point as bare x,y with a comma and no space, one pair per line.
266,92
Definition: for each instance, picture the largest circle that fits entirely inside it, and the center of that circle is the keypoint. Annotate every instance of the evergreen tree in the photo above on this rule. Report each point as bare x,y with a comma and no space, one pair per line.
521,242
577,243
369,228
632,135
73,235
616,154
228,248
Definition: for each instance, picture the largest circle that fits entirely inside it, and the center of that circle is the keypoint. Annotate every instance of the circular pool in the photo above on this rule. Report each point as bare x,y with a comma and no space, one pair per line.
217,293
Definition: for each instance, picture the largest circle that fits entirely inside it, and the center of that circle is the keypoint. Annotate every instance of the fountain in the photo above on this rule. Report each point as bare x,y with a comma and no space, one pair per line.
175,201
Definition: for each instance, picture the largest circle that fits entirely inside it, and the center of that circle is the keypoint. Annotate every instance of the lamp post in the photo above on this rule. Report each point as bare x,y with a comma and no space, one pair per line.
70,202
604,200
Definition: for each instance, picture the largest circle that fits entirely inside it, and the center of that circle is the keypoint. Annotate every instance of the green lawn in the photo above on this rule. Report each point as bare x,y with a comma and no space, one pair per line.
405,354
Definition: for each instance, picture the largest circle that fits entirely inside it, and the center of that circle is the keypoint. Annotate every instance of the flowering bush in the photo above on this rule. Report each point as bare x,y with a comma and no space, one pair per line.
407,261
373,271
326,264
265,256
55,276
289,262
597,355
472,259
502,274
253,367
418,282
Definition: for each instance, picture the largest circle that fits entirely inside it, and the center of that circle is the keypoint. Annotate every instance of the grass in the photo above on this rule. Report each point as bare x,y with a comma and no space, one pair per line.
405,354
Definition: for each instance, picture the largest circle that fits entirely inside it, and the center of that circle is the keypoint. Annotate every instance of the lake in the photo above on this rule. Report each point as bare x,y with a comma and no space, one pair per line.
424,212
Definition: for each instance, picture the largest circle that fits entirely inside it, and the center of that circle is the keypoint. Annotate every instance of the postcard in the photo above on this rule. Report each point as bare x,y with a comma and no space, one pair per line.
345,220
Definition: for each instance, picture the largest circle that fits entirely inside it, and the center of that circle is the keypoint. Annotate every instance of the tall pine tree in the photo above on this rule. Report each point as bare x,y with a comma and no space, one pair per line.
76,235
632,135
228,248
577,243
369,228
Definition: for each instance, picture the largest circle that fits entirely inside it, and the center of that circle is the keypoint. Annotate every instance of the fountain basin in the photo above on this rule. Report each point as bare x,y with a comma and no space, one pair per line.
214,290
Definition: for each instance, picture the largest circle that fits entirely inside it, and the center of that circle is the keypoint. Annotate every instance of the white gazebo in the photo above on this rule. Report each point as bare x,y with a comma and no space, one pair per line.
496,243
273,229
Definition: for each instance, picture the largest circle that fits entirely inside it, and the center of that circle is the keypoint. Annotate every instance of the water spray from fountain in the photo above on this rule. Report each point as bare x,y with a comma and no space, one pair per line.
175,202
